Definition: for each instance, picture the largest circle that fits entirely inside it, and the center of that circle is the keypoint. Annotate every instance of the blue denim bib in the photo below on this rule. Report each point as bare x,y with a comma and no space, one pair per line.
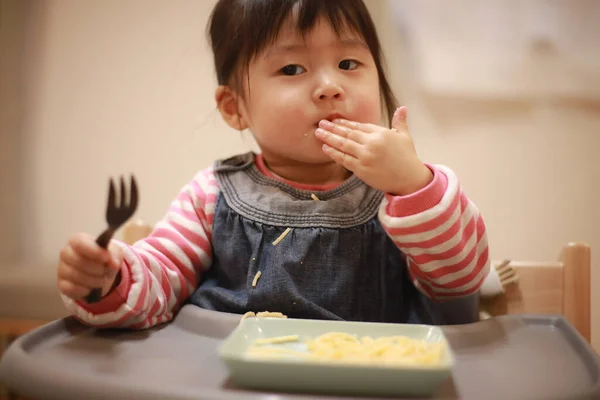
336,262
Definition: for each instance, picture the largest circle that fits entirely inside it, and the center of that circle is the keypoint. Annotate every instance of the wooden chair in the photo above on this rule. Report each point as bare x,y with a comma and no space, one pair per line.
560,287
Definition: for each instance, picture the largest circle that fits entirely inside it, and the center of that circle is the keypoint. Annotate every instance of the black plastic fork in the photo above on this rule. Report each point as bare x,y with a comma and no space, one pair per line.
116,215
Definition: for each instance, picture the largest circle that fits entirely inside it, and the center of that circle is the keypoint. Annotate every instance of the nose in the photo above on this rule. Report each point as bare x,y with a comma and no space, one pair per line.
328,89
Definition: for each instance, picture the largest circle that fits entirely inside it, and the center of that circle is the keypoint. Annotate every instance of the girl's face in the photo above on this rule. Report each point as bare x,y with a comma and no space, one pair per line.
297,82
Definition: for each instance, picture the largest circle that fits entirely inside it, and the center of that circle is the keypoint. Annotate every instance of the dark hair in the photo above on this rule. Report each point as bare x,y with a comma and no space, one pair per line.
239,30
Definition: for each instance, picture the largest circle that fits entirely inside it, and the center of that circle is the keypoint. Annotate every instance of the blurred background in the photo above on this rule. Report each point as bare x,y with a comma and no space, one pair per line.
507,93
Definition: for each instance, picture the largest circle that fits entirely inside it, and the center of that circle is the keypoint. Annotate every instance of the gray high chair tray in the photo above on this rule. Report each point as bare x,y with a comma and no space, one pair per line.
508,357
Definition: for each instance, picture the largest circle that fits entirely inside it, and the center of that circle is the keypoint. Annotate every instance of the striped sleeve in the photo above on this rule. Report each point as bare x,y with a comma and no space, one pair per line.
442,234
161,271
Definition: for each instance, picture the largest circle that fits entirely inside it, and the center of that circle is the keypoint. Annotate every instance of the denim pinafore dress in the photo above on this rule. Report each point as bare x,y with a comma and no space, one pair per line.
336,262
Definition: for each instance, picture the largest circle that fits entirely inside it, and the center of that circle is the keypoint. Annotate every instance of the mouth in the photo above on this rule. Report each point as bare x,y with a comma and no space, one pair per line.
333,116
330,117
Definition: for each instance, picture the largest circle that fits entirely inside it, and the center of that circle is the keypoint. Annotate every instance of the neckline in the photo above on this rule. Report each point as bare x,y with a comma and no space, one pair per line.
262,167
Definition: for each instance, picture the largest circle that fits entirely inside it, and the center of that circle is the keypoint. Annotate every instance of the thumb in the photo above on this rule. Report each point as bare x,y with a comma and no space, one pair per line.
117,256
399,119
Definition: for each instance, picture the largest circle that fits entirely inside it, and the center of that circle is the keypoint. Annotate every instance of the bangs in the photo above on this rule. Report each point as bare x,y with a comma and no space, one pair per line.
303,15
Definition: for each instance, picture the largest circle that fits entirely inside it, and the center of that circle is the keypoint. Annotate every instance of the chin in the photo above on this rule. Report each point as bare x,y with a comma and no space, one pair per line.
316,158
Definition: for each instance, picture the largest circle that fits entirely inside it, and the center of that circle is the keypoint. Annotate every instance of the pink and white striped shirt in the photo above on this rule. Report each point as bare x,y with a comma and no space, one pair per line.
439,229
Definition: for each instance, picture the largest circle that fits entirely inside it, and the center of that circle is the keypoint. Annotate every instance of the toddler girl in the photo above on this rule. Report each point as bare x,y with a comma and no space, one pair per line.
336,218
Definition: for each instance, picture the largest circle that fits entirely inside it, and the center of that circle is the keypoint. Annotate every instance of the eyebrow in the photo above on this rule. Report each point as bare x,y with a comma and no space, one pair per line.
288,48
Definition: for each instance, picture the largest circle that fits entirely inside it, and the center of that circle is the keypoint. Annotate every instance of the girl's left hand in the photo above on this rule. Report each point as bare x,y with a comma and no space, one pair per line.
383,158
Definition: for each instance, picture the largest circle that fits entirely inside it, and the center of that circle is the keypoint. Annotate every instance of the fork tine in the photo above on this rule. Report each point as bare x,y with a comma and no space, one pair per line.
115,217
133,196
112,200
123,194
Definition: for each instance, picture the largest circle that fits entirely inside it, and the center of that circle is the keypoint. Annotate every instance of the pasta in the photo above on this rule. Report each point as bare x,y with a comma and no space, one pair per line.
269,314
248,315
262,314
256,277
314,197
349,349
276,340
282,236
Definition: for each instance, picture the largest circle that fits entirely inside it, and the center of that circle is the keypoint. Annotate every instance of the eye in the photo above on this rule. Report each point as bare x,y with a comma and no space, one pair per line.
348,64
292,69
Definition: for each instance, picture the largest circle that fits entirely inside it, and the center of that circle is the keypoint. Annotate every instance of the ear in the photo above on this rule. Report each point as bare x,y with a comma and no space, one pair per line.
228,105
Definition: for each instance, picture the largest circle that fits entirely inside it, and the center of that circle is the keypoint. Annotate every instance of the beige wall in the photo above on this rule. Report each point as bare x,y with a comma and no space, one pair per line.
117,87
12,30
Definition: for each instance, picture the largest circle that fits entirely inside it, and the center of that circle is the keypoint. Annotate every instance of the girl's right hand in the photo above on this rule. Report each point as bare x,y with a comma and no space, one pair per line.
84,266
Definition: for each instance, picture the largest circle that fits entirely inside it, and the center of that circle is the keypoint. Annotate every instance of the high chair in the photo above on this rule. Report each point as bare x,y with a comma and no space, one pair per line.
561,287
551,287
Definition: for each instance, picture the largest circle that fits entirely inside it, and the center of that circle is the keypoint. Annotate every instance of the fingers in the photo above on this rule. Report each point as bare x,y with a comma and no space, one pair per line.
72,290
347,161
70,257
76,284
399,119
117,256
344,131
339,142
359,128
79,277
398,123
84,265
86,246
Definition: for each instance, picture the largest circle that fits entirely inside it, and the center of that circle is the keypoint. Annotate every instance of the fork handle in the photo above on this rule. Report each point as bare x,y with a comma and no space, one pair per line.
96,294
104,238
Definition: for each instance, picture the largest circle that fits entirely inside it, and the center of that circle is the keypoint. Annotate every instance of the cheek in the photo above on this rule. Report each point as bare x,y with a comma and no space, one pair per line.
365,99
288,97
368,108
282,107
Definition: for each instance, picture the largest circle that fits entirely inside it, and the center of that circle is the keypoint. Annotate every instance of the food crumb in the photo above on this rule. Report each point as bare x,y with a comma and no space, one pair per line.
256,277
282,236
